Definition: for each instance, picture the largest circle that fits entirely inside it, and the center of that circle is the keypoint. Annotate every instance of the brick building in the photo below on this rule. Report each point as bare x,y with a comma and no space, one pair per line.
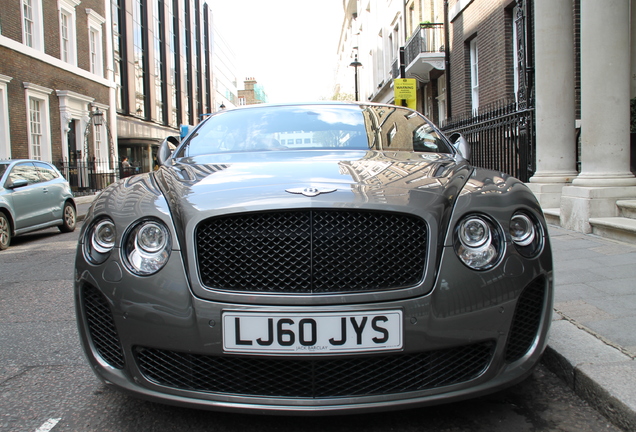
252,94
462,53
540,88
92,81
53,77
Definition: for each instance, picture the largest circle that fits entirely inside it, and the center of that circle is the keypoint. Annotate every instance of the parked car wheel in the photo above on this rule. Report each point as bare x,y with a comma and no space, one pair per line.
70,218
5,232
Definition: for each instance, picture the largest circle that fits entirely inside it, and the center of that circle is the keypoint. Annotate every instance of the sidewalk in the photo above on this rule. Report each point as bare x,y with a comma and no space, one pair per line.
592,343
593,337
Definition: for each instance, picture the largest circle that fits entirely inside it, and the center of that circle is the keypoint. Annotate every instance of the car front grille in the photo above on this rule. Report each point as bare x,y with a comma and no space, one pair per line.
311,251
315,377
526,320
101,326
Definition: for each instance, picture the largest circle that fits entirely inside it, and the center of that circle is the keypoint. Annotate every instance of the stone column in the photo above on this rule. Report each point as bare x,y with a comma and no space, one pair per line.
605,116
555,106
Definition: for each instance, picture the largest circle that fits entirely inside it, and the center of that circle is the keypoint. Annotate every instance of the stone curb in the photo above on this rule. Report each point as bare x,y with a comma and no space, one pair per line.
600,374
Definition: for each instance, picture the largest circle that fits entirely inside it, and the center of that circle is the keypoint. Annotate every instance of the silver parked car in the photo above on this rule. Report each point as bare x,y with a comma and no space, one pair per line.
33,196
314,258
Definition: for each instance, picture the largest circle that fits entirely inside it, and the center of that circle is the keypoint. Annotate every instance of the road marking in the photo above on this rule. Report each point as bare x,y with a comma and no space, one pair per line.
48,425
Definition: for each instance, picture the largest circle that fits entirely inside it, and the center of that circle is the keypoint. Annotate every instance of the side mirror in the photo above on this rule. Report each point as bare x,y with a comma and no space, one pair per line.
461,145
166,148
17,184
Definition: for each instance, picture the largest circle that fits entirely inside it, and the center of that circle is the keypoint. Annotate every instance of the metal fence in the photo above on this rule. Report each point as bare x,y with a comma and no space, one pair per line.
92,176
500,137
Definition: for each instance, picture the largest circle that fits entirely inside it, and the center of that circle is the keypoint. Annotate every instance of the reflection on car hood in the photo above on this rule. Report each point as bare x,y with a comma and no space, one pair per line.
251,181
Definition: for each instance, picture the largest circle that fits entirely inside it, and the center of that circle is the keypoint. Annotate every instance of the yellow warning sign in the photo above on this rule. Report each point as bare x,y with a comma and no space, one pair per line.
405,91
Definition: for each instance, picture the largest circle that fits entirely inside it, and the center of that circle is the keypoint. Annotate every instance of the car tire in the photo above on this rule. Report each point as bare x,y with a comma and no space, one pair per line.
5,232
69,217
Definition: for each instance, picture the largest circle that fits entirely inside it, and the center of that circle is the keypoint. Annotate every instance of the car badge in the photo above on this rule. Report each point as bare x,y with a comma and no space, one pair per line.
310,191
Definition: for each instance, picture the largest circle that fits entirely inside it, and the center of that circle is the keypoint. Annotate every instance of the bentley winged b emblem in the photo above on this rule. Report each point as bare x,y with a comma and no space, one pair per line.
310,191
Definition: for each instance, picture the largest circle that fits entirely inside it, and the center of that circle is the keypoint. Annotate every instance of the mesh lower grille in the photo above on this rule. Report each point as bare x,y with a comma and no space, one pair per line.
315,377
101,326
312,251
526,321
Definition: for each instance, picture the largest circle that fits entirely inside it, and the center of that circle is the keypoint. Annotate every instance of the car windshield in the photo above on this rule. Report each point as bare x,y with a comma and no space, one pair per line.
312,127
3,168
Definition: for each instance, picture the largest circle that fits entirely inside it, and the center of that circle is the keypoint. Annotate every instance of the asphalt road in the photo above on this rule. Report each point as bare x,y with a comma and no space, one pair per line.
45,384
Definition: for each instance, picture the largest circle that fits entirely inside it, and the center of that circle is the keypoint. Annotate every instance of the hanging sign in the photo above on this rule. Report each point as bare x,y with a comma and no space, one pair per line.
405,92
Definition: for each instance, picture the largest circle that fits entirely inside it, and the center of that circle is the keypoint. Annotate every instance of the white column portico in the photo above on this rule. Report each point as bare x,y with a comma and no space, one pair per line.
605,116
555,102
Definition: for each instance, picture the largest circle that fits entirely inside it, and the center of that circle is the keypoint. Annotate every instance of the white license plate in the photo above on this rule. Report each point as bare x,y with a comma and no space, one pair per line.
302,333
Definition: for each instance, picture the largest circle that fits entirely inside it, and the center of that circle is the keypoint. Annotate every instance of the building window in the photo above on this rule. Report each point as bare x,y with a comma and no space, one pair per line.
95,23
35,128
32,33
68,45
186,48
159,54
139,60
474,74
65,50
5,137
92,37
99,142
39,130
515,54
173,44
118,64
441,98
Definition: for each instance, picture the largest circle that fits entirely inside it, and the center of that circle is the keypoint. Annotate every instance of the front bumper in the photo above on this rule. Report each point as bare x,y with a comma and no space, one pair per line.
474,333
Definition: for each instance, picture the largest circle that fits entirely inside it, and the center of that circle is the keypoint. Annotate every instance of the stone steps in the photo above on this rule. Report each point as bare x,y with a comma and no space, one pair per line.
616,228
621,227
627,208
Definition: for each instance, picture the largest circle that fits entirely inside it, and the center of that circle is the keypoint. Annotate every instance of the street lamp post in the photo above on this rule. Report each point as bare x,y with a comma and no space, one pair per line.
89,170
356,64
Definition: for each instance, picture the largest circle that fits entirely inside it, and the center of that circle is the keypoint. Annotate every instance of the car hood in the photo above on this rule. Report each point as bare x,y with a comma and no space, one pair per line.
426,184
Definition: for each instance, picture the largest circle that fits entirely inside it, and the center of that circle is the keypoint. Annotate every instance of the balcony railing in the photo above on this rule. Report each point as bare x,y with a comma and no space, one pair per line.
395,69
428,38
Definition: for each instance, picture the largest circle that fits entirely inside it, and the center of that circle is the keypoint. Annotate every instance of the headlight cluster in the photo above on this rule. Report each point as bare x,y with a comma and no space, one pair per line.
527,234
145,246
100,241
478,242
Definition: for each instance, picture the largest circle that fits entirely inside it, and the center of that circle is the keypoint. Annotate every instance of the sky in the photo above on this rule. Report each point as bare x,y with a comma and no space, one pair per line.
288,46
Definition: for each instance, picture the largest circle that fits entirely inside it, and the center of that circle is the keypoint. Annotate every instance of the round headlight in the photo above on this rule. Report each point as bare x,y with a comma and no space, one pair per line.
103,238
474,232
526,234
478,242
99,241
152,237
522,229
146,247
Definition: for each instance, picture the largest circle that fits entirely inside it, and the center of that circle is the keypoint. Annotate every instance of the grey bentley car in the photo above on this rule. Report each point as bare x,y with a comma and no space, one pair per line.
314,258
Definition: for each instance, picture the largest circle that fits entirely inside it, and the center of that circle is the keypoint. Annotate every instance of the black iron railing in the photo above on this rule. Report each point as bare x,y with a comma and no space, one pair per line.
427,38
92,176
500,137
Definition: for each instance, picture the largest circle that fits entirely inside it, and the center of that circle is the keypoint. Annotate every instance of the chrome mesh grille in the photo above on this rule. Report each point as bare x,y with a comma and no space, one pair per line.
526,320
315,377
311,251
101,326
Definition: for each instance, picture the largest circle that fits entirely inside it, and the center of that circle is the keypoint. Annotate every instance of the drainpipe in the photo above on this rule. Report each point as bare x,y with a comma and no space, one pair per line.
447,60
